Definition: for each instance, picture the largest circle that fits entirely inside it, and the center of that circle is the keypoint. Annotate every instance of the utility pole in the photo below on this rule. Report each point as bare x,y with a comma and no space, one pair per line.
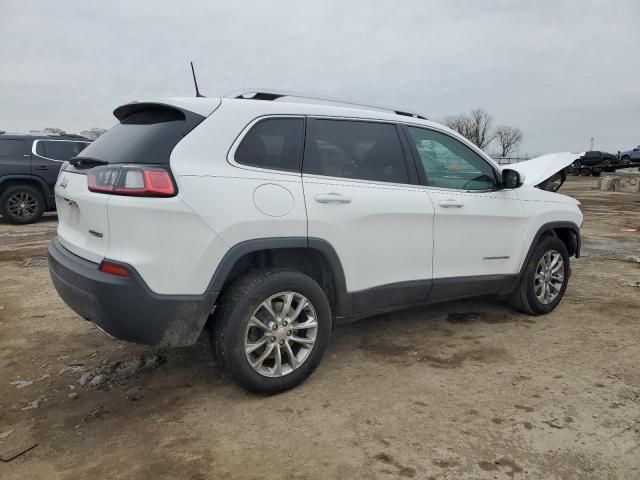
591,145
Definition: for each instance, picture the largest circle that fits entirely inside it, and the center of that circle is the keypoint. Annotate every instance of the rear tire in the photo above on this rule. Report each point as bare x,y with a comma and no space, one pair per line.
273,354
527,295
21,204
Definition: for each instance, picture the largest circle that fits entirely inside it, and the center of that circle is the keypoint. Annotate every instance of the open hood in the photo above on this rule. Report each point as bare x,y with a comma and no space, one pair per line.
543,168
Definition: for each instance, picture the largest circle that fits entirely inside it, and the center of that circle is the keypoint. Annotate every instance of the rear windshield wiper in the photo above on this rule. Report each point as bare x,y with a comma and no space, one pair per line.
86,162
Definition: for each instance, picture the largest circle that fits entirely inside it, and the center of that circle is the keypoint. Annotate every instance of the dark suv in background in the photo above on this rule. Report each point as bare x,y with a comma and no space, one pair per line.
594,163
29,166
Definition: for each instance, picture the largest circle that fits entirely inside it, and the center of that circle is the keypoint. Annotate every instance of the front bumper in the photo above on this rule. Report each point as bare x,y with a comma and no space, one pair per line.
126,308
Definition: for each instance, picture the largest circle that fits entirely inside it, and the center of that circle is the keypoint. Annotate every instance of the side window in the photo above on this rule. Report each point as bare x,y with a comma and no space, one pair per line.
274,143
61,150
356,149
10,147
449,163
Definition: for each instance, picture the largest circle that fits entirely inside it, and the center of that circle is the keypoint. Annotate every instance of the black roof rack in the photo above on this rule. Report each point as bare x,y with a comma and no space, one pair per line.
263,94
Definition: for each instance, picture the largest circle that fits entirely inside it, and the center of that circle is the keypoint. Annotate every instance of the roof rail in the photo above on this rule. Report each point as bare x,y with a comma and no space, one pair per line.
263,94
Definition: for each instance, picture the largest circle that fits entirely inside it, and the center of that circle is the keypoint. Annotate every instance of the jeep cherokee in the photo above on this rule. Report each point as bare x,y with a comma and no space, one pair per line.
271,221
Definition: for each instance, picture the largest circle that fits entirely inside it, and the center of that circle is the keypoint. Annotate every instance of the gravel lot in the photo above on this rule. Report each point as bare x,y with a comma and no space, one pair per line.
463,390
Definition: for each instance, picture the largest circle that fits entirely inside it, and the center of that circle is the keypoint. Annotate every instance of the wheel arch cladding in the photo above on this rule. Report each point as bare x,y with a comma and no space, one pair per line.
35,182
568,232
313,257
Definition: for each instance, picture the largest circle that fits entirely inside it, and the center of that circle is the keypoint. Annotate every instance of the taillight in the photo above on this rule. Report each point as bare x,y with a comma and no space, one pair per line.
114,269
132,180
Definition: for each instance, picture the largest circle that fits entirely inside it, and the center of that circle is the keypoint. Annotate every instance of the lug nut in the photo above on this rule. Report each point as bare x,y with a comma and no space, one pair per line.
273,339
289,332
274,327
284,324
281,342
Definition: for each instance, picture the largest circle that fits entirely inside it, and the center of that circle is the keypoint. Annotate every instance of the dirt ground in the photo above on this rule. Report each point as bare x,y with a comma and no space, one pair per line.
463,390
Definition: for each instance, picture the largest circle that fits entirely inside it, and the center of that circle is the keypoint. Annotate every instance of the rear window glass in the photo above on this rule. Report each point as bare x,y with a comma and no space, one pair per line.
61,150
356,149
10,147
145,134
274,143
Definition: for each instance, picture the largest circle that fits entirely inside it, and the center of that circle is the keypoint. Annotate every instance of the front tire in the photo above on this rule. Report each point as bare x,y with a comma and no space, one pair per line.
21,204
271,329
544,279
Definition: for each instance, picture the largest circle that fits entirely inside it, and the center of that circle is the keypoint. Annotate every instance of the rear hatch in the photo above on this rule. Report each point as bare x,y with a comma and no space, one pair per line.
131,159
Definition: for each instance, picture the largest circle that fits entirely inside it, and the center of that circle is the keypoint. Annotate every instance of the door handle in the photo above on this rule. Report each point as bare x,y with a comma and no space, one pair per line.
41,167
332,198
450,203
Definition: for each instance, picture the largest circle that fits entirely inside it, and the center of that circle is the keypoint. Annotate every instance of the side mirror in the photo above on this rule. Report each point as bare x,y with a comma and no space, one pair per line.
511,178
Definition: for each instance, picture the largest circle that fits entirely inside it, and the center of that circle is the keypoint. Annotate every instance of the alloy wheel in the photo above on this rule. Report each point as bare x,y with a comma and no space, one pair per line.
549,277
281,334
22,205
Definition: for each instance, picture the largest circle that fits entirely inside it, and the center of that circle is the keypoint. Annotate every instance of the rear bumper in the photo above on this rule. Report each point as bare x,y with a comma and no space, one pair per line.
126,308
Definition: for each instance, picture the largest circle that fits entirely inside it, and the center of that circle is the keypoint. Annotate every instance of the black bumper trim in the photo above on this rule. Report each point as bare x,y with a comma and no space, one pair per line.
126,308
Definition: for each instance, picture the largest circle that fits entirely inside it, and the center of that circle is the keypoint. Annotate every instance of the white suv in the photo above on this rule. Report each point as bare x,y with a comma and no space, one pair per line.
271,221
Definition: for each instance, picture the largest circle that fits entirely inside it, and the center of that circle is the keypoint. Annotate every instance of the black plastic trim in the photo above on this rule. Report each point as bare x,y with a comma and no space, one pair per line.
454,288
344,301
421,293
391,295
550,226
126,308
414,177
241,249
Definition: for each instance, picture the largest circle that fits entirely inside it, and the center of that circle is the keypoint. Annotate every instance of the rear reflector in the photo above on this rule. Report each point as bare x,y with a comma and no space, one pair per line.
131,180
114,269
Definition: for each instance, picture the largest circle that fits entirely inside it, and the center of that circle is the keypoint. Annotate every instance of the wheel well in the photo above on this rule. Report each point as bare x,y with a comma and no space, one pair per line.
568,237
24,181
309,261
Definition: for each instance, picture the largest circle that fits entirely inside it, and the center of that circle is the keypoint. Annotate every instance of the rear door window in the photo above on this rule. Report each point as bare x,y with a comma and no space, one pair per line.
9,147
60,150
273,143
356,149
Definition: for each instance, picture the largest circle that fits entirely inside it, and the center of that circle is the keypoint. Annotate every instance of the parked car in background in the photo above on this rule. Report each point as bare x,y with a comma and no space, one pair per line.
631,156
271,222
29,166
594,163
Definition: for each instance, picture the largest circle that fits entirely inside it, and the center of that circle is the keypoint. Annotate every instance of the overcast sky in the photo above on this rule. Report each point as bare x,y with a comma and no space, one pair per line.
562,71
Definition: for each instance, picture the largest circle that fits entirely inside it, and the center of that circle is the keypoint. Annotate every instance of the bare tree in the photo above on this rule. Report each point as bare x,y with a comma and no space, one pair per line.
480,128
459,123
508,138
475,127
